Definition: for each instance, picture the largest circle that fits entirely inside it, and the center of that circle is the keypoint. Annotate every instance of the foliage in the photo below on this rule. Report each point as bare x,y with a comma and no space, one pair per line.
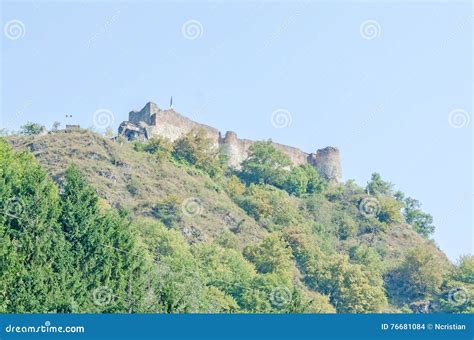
33,249
303,179
160,147
421,221
168,211
418,277
457,290
292,243
265,164
377,186
268,205
389,211
197,149
31,129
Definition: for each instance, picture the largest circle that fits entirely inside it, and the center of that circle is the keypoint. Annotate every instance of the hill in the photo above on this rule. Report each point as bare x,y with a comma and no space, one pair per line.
221,240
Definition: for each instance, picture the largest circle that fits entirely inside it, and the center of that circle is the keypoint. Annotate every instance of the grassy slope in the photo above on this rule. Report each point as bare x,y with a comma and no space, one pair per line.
112,168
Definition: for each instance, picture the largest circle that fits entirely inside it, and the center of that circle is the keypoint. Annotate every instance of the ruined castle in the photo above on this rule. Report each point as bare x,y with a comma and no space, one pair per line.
152,121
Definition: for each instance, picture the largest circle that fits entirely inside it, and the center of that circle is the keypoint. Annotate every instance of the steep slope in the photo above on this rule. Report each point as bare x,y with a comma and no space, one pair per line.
136,181
327,239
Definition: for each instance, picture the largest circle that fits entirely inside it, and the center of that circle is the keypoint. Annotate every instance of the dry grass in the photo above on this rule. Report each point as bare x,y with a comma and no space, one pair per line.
137,181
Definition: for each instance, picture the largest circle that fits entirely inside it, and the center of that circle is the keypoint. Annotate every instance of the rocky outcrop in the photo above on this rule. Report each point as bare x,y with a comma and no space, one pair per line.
152,121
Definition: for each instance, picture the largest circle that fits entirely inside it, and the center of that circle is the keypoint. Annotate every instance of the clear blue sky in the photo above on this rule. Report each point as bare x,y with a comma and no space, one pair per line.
382,96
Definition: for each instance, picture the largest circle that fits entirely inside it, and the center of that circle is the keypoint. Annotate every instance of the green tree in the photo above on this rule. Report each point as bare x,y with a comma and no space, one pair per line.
389,211
457,290
31,129
377,186
33,253
418,277
270,206
271,255
421,221
103,250
297,181
265,164
350,289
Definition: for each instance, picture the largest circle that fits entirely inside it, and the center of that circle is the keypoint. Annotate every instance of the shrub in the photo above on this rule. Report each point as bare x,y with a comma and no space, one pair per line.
196,148
160,147
168,211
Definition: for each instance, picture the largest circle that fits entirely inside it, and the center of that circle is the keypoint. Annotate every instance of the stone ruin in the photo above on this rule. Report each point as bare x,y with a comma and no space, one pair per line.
152,121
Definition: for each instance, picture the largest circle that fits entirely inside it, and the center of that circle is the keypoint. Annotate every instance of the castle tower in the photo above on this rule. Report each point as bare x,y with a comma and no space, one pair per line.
328,163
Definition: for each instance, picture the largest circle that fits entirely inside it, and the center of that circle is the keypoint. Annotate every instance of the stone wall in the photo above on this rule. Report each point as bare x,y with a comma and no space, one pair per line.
151,120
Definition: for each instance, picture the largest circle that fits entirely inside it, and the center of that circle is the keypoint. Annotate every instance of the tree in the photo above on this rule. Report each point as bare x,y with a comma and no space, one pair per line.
421,221
389,211
272,255
226,270
296,182
56,126
31,129
418,277
104,253
34,257
457,290
265,164
377,186
350,289
270,206
180,286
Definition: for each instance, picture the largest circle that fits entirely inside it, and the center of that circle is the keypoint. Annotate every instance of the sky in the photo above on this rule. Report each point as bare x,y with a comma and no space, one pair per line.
388,83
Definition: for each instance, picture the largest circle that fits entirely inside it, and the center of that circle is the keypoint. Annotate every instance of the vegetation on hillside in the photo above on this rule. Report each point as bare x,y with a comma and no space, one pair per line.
269,237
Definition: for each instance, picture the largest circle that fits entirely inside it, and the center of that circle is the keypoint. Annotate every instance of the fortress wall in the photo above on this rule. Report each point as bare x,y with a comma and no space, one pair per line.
172,125
144,115
297,156
237,150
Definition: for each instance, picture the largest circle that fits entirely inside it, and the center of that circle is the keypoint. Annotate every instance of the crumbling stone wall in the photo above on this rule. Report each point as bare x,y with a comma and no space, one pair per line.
151,120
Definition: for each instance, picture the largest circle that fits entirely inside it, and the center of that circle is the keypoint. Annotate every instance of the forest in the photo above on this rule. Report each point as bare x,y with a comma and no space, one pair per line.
94,225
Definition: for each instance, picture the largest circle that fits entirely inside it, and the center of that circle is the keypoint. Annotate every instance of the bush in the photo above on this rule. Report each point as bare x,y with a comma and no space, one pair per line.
160,147
168,211
196,148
